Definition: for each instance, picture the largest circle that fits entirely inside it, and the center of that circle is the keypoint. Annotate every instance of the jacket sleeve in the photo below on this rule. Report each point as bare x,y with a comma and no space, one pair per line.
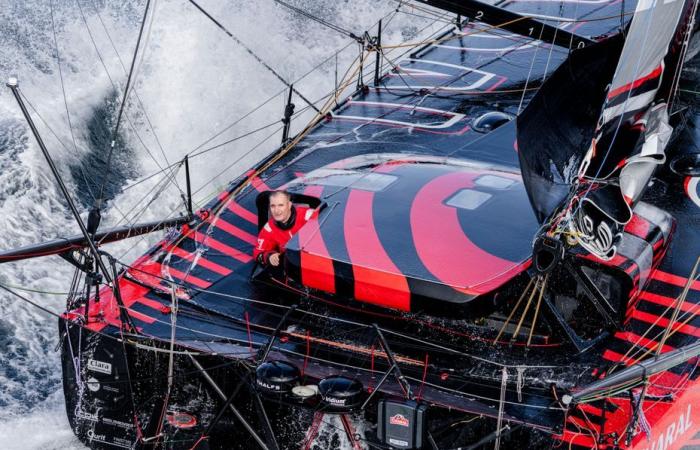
267,245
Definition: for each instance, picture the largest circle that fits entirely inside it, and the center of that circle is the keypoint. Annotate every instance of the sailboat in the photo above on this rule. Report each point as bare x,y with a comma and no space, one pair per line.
503,253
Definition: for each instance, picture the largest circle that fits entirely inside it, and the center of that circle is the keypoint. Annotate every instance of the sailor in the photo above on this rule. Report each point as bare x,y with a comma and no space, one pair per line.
285,221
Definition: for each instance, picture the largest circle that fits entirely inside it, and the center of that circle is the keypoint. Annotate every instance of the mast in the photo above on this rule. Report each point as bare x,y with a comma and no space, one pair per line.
511,21
13,85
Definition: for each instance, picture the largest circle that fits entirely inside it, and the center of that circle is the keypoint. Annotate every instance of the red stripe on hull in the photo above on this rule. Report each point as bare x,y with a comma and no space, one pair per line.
201,261
640,341
316,264
242,212
221,247
669,302
383,284
234,231
674,279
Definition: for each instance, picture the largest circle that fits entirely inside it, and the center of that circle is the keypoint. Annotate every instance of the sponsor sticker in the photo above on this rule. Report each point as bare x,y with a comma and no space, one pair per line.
398,419
93,385
335,401
398,442
99,366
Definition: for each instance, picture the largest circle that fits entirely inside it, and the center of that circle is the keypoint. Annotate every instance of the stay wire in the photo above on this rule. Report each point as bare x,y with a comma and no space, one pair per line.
123,104
325,23
134,90
253,54
65,99
138,98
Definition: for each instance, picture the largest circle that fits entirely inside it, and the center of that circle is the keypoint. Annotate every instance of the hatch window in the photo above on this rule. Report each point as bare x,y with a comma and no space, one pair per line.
468,199
490,121
365,181
494,182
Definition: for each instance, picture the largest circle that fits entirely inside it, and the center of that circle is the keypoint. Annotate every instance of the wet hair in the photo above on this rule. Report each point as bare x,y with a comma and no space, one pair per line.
281,192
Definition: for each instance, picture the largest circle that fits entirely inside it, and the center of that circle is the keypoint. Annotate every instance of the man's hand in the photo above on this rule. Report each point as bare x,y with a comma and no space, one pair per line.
275,259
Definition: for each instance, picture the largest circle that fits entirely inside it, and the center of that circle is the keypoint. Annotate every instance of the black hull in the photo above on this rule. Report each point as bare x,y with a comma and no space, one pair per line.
101,412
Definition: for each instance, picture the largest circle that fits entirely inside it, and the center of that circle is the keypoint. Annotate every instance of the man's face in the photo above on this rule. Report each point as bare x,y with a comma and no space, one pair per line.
280,207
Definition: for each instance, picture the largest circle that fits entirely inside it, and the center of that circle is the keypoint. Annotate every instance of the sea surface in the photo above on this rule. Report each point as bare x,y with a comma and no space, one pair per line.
191,83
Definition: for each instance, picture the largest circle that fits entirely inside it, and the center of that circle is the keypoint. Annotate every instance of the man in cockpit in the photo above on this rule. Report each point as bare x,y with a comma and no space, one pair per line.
285,221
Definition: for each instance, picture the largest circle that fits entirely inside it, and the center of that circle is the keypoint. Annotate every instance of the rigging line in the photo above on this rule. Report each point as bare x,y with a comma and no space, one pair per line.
115,87
529,73
65,99
234,139
134,90
123,104
55,135
619,119
332,319
419,7
253,54
325,23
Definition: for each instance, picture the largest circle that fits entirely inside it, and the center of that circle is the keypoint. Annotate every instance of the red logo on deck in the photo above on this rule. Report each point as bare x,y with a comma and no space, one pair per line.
398,419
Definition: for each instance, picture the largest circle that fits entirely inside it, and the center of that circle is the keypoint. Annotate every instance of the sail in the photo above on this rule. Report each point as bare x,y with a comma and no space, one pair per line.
556,129
633,128
635,85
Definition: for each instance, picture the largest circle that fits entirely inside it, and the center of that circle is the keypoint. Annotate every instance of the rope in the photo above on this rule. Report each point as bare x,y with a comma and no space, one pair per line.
325,23
501,402
134,90
123,104
253,54
65,99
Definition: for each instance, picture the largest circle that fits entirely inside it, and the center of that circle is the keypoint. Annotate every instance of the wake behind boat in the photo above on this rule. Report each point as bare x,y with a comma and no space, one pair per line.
493,260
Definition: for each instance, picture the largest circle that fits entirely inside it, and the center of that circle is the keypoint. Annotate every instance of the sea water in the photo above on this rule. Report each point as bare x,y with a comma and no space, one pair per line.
191,82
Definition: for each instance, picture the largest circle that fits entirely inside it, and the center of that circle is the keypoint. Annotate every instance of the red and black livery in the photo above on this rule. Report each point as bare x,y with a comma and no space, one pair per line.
410,298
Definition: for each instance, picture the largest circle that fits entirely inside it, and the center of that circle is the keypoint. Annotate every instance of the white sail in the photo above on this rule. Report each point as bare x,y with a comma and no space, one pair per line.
633,128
